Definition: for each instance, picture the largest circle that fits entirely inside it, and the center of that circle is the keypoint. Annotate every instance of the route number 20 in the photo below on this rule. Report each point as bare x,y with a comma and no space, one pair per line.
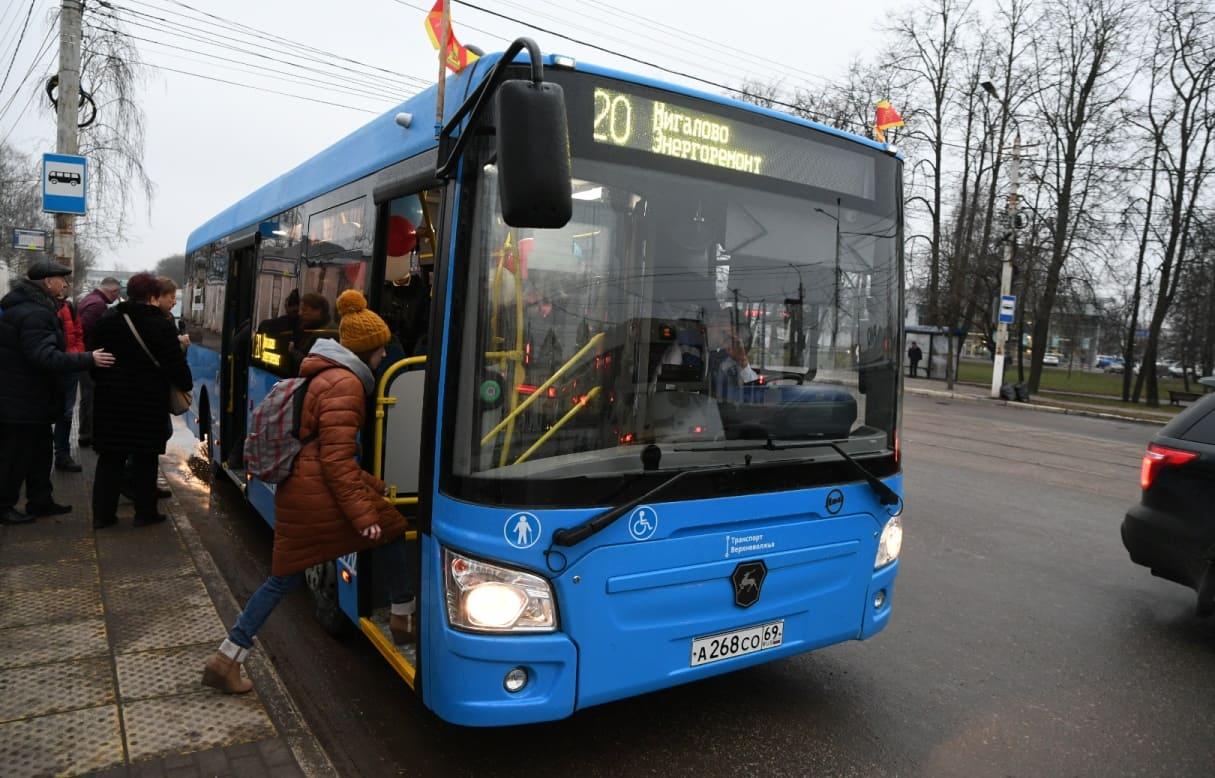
613,117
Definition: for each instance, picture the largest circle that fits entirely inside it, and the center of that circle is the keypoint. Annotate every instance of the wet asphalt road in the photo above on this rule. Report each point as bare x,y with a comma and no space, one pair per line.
1024,642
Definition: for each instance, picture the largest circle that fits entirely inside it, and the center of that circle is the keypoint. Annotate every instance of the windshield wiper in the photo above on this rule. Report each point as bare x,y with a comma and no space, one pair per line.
572,536
886,495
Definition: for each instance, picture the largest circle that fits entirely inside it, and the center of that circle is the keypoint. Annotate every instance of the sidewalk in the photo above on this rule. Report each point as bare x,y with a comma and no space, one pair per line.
972,392
102,642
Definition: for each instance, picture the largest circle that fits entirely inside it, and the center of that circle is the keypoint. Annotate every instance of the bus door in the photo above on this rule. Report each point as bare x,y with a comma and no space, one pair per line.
236,349
404,269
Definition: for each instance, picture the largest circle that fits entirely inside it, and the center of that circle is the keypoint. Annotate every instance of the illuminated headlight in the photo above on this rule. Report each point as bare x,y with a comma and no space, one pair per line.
890,544
487,598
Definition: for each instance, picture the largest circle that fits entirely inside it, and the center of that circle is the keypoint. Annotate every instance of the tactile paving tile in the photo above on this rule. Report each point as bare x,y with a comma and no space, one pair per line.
61,744
158,553
54,575
160,594
162,673
43,643
26,692
35,552
46,606
146,631
193,722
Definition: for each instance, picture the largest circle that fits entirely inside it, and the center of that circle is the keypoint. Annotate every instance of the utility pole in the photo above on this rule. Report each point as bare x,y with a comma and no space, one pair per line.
67,141
1010,246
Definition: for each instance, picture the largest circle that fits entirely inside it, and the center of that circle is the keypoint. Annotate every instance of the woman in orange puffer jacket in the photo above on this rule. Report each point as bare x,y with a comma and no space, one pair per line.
328,506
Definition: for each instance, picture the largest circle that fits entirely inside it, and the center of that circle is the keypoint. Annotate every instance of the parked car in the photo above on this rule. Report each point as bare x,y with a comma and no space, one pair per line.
1051,359
1170,531
1105,360
1176,369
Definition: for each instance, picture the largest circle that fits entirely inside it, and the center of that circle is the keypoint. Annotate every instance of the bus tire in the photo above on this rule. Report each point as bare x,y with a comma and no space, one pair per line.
322,582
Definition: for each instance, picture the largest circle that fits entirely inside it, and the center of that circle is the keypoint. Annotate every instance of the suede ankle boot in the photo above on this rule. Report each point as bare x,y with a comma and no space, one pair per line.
222,670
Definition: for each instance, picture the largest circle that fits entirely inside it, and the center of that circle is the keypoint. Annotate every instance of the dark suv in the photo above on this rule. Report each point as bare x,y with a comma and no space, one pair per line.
1172,529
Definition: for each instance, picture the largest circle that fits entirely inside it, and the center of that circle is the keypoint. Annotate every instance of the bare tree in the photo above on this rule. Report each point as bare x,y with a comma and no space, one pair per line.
1078,93
1183,146
931,34
111,74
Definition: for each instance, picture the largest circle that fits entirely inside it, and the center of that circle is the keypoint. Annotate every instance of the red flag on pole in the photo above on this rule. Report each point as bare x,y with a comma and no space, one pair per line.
458,57
887,118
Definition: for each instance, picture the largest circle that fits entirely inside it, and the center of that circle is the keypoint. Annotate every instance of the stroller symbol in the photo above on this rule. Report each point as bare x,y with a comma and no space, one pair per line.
643,523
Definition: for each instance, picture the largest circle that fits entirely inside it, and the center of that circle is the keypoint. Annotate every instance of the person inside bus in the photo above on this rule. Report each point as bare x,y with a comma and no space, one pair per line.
406,292
286,326
729,368
314,323
328,506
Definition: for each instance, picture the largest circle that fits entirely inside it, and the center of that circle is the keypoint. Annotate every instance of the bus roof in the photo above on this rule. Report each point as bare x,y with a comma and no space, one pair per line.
382,142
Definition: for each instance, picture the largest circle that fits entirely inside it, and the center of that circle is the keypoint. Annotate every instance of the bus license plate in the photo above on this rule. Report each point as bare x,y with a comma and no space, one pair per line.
727,645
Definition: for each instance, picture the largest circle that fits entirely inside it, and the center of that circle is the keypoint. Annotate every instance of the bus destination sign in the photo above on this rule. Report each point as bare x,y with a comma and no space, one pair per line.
639,123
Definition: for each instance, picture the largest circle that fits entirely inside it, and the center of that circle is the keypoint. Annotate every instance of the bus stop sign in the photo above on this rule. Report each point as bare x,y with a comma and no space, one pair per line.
1008,308
64,183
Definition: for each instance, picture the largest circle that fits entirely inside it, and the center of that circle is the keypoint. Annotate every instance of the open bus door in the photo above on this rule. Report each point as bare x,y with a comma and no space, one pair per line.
238,309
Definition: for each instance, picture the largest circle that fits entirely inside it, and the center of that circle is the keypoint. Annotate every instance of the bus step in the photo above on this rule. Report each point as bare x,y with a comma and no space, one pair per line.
404,659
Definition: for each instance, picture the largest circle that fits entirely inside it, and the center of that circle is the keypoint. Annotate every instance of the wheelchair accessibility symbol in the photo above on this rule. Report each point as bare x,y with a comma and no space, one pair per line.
643,523
522,530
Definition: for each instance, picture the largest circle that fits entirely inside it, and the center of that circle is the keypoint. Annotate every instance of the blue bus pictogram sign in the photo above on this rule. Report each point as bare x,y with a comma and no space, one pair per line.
64,184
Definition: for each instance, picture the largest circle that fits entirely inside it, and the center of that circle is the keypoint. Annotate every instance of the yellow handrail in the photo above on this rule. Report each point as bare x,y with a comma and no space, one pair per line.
540,390
578,406
382,402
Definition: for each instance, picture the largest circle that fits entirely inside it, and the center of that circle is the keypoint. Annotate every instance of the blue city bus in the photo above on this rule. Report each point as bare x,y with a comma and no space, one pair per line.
642,403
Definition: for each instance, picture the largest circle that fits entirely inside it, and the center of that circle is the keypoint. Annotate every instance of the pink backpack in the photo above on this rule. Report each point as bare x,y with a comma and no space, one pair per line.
274,437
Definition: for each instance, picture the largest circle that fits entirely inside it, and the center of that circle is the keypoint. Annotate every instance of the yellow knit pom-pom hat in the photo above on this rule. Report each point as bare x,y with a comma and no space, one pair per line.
360,330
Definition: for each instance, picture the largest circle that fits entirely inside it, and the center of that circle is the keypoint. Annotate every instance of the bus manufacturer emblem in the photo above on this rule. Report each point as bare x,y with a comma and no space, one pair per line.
748,579
835,501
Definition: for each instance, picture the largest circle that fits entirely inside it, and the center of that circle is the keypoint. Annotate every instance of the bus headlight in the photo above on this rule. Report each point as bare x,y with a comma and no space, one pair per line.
487,598
890,543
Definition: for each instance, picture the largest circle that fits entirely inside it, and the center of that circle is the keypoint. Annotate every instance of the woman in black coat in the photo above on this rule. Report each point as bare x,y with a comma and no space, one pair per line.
131,400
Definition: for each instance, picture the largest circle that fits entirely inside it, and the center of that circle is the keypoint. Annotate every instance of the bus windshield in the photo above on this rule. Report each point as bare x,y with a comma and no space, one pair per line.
688,312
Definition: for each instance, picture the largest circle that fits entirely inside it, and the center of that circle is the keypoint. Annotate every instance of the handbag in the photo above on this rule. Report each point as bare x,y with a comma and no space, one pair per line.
179,401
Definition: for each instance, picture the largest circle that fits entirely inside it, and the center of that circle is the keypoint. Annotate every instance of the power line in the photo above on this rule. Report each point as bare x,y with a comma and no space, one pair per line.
262,89
344,89
35,65
20,39
293,49
195,36
636,60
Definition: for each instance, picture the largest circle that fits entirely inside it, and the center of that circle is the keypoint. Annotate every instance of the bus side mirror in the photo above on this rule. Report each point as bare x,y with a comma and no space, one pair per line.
533,155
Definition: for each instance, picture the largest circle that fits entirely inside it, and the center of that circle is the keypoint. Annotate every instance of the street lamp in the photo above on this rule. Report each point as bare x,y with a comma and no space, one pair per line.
835,315
1014,180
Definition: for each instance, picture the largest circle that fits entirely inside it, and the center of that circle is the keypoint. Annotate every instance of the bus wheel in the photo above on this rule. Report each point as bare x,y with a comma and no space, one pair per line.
322,584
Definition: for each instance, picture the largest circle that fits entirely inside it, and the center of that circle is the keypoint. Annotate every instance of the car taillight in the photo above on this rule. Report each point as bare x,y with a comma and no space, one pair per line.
1157,458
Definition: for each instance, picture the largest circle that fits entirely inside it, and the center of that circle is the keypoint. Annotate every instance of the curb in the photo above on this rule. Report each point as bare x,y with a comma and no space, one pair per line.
945,394
307,750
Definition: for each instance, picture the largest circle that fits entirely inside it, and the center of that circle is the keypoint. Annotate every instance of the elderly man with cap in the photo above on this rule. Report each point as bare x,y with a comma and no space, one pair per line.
33,356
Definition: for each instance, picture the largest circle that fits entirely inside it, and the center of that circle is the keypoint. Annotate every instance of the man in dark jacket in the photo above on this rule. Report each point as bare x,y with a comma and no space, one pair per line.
32,359
94,304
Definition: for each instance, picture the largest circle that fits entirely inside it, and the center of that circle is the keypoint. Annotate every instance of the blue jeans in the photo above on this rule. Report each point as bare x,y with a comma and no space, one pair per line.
276,587
63,427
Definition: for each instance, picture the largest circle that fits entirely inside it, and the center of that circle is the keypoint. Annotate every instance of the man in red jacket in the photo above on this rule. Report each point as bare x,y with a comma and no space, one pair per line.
73,332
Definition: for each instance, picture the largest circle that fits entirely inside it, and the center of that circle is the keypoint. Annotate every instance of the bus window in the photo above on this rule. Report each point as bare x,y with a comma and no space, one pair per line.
408,273
337,258
277,298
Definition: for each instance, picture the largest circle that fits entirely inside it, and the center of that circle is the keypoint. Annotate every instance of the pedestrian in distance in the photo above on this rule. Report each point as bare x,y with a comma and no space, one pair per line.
33,360
914,355
328,506
74,334
89,312
131,402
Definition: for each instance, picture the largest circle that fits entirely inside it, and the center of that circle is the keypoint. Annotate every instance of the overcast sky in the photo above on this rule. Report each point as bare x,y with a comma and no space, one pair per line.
209,144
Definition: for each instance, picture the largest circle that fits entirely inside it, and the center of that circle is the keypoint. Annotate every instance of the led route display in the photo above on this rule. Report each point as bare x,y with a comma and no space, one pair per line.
636,122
